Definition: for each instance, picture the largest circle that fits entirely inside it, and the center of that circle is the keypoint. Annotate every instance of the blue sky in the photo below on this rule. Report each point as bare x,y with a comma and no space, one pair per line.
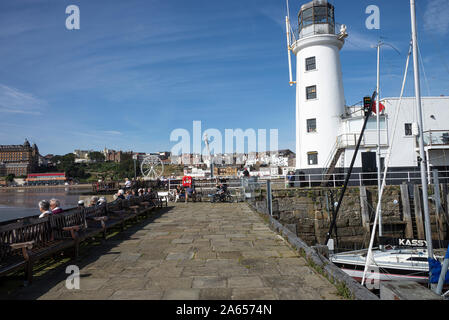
138,69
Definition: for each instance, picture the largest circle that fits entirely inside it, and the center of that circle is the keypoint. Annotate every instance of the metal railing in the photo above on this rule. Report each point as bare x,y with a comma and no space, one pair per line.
239,185
316,29
337,179
331,156
368,139
206,187
436,138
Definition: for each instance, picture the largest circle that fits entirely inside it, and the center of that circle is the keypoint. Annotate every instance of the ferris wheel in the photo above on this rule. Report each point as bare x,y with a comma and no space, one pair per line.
152,167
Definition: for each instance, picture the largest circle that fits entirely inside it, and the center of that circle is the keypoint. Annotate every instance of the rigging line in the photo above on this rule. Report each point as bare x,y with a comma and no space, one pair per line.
439,52
369,257
424,71
428,93
418,7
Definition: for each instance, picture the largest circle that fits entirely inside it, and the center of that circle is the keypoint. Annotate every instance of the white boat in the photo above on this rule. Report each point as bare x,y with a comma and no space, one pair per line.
398,264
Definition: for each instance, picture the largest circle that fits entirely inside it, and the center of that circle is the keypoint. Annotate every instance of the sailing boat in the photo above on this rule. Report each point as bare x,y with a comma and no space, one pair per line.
393,262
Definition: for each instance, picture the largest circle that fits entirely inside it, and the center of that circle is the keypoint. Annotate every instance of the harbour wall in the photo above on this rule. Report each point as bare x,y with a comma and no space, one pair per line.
308,213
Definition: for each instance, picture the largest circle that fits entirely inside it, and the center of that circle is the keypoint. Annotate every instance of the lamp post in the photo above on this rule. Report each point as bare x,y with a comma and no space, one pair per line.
135,173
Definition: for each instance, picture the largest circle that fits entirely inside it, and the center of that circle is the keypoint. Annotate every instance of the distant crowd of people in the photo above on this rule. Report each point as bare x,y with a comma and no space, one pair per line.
189,190
53,206
130,193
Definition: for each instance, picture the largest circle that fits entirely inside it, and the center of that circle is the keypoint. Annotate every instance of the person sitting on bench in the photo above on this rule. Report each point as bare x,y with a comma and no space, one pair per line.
120,194
44,207
179,192
55,206
190,193
93,201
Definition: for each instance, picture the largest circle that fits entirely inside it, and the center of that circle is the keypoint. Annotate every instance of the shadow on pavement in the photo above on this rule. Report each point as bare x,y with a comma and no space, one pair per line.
88,254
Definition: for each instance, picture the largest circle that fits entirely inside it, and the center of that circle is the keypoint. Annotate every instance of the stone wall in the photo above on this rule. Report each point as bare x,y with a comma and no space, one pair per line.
306,212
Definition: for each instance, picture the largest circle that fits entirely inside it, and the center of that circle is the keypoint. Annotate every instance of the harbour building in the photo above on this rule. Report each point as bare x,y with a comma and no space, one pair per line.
327,130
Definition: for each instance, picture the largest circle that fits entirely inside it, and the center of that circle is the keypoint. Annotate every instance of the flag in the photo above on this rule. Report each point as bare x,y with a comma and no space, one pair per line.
374,107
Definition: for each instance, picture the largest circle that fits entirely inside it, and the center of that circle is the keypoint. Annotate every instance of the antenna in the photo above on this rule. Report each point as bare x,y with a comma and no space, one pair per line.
289,48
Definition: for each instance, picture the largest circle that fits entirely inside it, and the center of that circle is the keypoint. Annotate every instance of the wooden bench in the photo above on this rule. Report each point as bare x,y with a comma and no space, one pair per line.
97,217
24,243
123,210
15,247
71,226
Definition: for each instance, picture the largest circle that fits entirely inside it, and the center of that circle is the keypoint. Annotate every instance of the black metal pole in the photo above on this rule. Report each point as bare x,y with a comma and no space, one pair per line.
367,115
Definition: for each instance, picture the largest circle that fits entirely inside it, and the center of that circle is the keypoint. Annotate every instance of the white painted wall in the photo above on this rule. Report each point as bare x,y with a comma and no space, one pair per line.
404,152
329,104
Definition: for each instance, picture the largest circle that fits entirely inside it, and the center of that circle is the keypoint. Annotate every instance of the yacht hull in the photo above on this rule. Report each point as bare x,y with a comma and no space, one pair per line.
389,265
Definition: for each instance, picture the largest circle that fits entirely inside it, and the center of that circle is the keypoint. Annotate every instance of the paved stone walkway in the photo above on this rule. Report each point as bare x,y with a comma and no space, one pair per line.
193,251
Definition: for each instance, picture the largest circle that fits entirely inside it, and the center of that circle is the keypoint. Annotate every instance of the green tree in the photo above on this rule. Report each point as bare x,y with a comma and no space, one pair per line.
63,162
126,169
96,156
10,177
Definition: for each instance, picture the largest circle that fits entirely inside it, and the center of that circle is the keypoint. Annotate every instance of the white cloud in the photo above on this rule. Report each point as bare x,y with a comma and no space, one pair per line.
359,42
436,16
112,132
13,100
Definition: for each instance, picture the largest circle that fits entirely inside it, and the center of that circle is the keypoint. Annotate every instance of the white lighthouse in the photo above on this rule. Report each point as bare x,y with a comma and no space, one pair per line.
319,88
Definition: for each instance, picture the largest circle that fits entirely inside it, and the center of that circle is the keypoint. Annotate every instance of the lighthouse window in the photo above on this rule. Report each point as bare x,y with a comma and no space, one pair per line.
307,17
311,92
311,125
408,129
310,63
320,14
312,158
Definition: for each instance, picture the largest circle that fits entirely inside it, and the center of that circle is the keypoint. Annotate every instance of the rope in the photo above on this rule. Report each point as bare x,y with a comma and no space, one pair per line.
369,257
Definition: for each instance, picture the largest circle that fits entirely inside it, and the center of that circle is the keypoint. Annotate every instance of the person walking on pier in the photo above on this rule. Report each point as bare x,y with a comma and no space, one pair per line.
127,184
44,208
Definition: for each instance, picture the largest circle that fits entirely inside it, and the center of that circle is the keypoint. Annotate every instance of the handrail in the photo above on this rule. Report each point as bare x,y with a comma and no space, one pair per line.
331,156
436,137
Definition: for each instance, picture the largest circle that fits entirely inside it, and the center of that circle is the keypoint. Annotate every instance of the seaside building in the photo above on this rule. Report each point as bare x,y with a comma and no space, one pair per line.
226,171
19,160
117,156
46,178
327,131
404,154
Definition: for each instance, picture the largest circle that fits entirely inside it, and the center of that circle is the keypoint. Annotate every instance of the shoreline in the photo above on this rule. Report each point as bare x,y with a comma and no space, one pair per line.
74,186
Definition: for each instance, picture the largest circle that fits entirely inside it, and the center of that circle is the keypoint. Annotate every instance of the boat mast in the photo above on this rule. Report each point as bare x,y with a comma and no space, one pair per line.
422,158
378,135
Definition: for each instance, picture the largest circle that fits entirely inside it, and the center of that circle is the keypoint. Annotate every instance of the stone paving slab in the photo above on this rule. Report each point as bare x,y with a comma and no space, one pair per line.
193,251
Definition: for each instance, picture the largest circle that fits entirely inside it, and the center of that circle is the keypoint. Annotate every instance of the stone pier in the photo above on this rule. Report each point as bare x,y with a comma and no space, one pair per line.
192,251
